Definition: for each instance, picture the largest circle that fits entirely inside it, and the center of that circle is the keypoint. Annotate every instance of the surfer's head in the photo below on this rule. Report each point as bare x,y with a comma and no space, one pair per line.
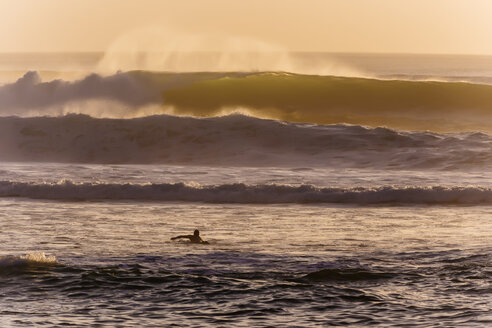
196,233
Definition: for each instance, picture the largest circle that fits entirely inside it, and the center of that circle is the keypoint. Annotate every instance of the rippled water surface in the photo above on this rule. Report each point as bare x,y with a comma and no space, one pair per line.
266,265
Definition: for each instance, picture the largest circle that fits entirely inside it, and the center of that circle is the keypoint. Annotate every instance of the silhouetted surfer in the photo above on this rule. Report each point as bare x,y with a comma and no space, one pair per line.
194,238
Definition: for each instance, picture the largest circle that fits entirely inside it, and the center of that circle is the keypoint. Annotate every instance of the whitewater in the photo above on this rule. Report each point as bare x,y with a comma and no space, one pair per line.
356,200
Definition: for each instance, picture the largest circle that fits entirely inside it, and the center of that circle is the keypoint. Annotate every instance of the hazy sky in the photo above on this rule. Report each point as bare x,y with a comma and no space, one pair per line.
403,26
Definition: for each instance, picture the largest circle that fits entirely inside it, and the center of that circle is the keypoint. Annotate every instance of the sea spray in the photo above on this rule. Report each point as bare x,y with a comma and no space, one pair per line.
11,262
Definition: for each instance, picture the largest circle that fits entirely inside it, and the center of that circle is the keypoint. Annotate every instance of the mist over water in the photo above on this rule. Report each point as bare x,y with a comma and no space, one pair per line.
171,50
192,118
159,70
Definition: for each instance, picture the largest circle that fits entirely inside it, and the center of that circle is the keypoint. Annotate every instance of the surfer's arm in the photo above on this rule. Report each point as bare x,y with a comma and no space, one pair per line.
183,236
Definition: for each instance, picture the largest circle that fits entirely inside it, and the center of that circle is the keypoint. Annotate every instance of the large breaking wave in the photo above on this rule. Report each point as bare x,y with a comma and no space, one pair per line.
246,194
235,140
402,104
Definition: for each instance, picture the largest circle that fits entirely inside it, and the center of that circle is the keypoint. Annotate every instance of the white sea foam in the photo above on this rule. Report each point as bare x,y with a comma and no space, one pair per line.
30,94
34,258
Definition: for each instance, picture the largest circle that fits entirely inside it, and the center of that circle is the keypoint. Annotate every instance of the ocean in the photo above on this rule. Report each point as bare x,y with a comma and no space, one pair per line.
359,196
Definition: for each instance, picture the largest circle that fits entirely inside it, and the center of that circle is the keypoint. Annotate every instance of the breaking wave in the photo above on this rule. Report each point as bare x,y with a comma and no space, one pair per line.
418,105
247,194
11,263
235,140
402,104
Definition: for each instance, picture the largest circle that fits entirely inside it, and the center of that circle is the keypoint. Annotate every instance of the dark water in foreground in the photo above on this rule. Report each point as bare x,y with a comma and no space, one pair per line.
266,265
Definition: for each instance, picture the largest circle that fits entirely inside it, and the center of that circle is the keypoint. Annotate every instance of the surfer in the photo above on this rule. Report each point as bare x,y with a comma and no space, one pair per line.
194,238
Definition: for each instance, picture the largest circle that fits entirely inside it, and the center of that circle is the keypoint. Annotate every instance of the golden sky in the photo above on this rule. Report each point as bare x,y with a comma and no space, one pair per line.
394,26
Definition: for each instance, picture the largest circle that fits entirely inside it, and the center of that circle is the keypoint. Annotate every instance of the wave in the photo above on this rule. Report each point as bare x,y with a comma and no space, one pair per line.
235,140
247,194
29,94
402,104
11,263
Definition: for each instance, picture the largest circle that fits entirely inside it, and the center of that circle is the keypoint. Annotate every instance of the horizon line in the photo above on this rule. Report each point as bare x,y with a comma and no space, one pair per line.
100,52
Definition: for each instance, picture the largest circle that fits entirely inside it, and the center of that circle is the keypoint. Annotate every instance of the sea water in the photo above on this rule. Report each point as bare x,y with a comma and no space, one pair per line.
283,264
309,224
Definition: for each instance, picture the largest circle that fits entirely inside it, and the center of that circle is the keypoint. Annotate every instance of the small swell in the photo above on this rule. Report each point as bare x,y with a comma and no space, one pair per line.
346,275
247,194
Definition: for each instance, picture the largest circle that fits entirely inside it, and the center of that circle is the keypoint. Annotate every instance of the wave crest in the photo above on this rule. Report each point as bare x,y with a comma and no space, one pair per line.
11,262
235,140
